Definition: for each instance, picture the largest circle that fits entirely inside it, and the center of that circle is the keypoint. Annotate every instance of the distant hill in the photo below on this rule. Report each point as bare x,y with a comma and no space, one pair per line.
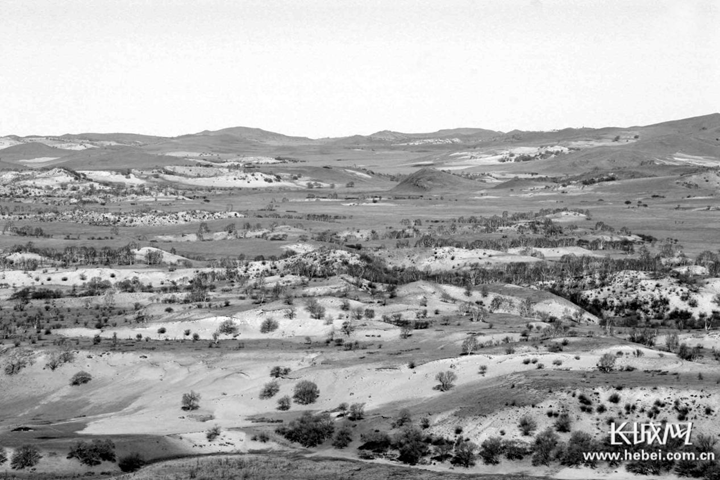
114,158
691,141
29,151
427,180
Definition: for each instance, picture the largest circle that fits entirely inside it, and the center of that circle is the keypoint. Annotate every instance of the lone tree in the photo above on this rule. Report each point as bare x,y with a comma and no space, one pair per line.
446,380
191,401
306,392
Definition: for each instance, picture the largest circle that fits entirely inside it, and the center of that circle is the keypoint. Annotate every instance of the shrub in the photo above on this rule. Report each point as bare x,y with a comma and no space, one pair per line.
306,392
343,436
490,450
3,456
191,401
309,430
131,462
26,456
465,454
284,403
228,327
482,370
213,433
606,363
269,390
446,380
279,372
269,325
563,423
614,397
545,443
527,425
357,411
93,453
80,378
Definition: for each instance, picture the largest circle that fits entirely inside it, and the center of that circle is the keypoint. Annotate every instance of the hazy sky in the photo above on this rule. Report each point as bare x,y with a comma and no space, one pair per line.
333,67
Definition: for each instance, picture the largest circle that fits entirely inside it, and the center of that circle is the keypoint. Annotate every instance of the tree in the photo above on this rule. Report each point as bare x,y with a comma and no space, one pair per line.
343,436
465,454
269,390
191,401
309,430
404,418
306,392
93,453
672,342
606,363
357,411
26,456
469,345
411,445
284,403
490,450
446,380
269,325
3,456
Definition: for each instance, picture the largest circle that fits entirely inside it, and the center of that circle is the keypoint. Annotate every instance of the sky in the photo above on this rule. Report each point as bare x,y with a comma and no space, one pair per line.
328,68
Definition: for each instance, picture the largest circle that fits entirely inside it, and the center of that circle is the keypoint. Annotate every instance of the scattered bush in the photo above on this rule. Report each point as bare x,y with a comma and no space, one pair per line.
614,398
